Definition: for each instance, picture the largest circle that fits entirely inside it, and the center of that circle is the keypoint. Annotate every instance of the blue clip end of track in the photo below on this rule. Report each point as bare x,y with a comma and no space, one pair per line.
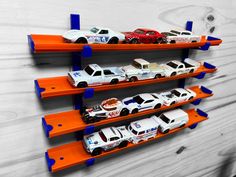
208,65
206,46
89,129
196,102
90,162
193,126
87,51
206,90
201,75
38,89
47,128
202,113
31,43
210,38
88,93
75,21
50,162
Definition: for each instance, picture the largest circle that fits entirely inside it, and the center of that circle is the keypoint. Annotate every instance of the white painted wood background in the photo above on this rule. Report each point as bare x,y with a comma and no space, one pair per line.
210,148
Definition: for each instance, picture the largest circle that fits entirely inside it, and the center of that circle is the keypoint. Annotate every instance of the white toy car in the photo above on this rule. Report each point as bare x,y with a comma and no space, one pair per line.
171,120
109,108
176,67
93,74
142,102
177,95
106,139
94,35
143,130
175,36
142,69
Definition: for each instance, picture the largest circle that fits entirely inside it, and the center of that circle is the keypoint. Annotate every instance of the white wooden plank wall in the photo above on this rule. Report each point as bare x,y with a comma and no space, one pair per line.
210,149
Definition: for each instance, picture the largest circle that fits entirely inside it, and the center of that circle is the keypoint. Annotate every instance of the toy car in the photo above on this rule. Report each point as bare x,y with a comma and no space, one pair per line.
106,139
176,95
109,108
171,120
176,67
93,74
94,35
142,102
142,69
142,35
175,36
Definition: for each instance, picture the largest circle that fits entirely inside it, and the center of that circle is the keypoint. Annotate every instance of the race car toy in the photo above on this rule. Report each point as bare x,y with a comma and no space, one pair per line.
94,35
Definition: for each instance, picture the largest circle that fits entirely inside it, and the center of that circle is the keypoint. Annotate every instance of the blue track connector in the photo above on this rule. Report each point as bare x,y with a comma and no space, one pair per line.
196,102
75,21
38,89
88,93
78,102
202,113
208,65
206,46
200,76
76,61
90,162
189,25
193,126
87,51
210,38
206,90
31,43
89,129
50,162
47,128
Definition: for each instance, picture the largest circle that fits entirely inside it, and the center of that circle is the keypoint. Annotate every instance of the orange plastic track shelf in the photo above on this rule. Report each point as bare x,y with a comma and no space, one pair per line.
71,121
60,86
56,43
71,154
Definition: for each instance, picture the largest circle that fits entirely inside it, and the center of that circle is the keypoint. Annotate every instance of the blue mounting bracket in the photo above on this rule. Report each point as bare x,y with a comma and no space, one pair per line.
185,53
89,129
38,89
201,75
208,65
47,128
50,162
205,47
90,162
196,102
31,43
193,126
202,113
206,90
88,93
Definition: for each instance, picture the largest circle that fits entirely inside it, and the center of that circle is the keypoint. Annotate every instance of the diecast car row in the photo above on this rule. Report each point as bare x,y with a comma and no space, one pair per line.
113,107
140,69
141,130
100,35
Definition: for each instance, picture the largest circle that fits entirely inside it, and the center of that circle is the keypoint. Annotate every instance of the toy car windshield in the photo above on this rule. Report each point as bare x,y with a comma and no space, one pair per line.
94,30
164,118
175,92
171,64
89,70
139,31
138,99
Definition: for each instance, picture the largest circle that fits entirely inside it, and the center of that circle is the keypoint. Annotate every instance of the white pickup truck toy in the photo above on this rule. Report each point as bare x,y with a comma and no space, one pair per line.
109,108
176,36
106,139
142,69
93,74
142,102
170,120
177,95
176,67
94,35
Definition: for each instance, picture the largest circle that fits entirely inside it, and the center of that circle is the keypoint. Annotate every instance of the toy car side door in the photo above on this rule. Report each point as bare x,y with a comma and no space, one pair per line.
103,36
148,104
173,124
180,69
184,96
97,77
114,141
152,36
145,72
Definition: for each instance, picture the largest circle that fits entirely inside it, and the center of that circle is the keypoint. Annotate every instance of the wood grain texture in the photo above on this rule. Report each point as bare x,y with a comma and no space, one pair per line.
210,148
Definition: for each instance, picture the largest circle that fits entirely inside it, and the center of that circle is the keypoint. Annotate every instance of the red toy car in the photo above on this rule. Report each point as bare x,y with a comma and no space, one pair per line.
146,36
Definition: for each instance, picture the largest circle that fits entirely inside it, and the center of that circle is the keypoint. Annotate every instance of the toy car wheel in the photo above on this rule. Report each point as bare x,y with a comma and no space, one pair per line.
172,41
81,40
191,71
83,109
159,41
173,74
96,151
194,41
134,111
190,98
88,119
158,76
166,131
164,41
124,112
181,125
157,106
172,103
134,41
133,79
123,144
113,40
114,81
82,85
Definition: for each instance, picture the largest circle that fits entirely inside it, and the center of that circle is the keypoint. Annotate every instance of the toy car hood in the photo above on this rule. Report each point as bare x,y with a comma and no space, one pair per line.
129,101
93,139
74,34
167,96
130,69
78,75
160,122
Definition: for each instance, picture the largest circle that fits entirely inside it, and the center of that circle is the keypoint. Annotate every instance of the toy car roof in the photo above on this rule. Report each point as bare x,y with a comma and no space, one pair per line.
141,61
146,29
180,90
110,103
144,124
94,66
110,132
175,113
100,27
